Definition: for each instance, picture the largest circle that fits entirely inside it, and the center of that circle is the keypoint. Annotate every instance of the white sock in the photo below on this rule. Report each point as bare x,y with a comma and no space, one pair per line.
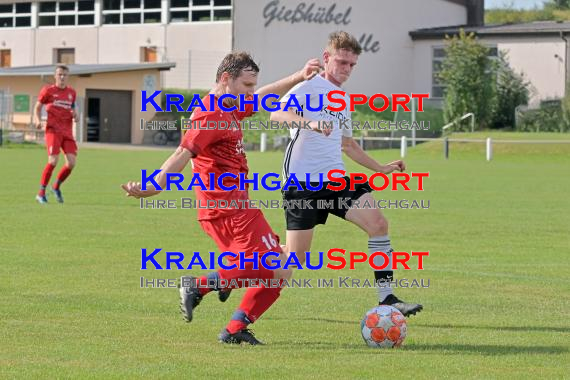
382,244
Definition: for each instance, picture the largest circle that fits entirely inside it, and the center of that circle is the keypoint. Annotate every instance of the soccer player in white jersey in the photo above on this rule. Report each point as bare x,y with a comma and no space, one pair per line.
317,151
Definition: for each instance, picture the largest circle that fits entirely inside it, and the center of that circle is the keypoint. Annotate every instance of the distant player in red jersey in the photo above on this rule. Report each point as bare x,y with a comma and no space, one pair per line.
59,100
236,230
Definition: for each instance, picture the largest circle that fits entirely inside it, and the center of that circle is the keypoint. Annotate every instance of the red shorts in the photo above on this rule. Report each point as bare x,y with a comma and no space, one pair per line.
246,231
56,141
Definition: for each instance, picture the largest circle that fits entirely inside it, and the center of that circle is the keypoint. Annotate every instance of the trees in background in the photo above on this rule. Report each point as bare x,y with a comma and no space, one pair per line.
476,83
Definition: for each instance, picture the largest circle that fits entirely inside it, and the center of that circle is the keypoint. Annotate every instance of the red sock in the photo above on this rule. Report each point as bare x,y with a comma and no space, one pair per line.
208,283
235,325
46,175
248,273
255,302
203,285
62,176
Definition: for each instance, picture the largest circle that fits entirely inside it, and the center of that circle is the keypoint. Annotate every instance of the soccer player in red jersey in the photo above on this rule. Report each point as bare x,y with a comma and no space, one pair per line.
59,100
236,230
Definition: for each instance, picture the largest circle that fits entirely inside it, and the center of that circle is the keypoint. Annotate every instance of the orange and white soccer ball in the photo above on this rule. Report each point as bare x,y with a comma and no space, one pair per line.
384,326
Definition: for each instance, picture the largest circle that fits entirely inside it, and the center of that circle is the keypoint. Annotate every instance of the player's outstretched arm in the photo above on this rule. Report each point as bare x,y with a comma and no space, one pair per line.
281,86
174,164
351,148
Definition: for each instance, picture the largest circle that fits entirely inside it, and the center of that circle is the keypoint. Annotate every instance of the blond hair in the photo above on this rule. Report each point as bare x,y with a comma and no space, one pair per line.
342,40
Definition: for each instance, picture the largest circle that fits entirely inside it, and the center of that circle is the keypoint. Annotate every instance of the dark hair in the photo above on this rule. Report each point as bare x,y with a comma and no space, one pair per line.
236,62
63,67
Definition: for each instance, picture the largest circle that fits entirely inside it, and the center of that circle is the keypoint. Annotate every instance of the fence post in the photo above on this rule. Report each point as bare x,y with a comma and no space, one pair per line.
413,121
489,149
263,143
362,141
446,148
403,147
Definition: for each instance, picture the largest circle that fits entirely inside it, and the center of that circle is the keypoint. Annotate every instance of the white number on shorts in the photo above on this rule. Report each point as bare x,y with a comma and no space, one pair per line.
267,241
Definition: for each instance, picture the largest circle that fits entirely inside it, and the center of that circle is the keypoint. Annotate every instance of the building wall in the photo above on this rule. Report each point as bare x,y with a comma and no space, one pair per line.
283,47
393,63
21,45
422,65
546,72
46,40
196,48
129,81
122,43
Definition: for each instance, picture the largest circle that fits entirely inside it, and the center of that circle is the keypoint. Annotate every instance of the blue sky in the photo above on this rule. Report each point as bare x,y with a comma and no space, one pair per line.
519,4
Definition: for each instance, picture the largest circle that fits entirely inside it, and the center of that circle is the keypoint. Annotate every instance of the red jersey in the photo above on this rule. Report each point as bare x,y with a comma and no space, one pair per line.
59,103
217,151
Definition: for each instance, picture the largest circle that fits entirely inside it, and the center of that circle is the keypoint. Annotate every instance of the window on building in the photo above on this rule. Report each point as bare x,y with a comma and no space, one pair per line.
111,4
6,22
438,56
149,54
66,5
131,11
48,6
111,19
5,58
200,10
15,15
66,13
47,20
85,19
85,5
64,55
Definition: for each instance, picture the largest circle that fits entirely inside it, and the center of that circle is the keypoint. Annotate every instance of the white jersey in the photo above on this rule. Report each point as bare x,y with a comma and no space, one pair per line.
309,151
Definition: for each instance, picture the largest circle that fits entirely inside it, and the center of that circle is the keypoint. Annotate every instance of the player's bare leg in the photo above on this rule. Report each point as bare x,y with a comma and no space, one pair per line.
373,222
70,160
299,241
53,159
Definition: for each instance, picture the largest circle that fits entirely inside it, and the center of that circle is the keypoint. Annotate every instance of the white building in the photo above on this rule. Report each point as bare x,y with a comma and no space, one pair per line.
284,34
402,40
195,34
537,49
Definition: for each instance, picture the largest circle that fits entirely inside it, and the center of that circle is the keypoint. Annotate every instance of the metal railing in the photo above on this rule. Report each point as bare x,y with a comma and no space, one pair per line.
454,122
446,140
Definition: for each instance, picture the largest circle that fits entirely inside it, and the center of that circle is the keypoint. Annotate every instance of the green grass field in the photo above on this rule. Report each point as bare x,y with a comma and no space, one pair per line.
497,307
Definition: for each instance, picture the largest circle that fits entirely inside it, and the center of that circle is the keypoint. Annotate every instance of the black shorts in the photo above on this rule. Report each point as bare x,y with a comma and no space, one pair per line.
304,209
